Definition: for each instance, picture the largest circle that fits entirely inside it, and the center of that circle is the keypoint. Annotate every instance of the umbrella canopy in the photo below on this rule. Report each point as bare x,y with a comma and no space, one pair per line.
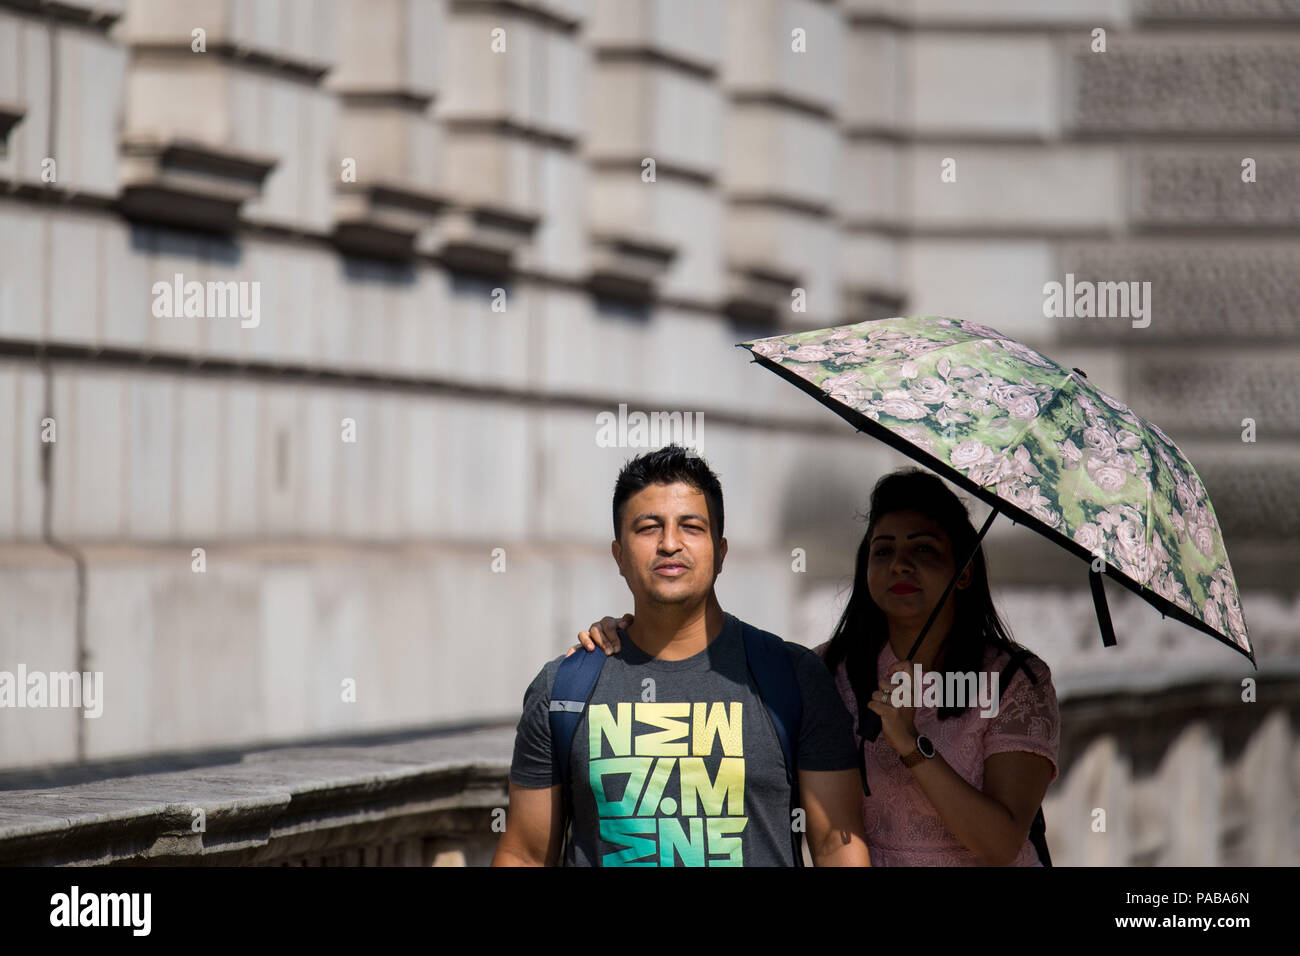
1034,441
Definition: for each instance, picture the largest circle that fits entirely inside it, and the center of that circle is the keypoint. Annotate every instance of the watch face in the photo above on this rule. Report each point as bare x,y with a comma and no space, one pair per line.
924,745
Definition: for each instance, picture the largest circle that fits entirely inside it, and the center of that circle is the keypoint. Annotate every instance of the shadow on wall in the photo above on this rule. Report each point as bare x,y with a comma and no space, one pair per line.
201,248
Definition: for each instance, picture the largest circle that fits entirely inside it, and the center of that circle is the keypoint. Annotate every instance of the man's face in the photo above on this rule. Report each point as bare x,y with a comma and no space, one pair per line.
665,549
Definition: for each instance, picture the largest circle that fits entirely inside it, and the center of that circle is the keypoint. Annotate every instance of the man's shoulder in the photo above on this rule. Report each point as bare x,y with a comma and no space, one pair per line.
805,659
545,678
800,655
746,626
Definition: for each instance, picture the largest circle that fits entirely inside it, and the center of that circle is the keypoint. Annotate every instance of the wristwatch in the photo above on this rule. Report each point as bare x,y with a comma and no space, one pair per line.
924,750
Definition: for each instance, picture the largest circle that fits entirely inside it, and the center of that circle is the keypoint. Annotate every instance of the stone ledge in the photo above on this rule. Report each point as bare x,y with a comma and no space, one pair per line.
187,183
1216,11
269,807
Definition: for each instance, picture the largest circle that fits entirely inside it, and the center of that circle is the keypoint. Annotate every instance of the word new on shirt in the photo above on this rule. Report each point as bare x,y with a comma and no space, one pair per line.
670,805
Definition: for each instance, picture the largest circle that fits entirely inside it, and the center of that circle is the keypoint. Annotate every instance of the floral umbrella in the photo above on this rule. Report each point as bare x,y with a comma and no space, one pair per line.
1036,442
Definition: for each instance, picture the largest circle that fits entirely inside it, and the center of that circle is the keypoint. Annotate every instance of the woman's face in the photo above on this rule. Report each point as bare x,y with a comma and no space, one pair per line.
910,562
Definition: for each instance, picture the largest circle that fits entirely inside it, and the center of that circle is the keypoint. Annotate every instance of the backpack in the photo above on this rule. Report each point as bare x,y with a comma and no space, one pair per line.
774,678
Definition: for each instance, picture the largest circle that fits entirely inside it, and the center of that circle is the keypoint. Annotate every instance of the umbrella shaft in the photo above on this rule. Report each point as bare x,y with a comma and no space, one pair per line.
951,584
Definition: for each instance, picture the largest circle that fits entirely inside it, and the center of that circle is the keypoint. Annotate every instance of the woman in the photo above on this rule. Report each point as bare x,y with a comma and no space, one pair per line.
948,786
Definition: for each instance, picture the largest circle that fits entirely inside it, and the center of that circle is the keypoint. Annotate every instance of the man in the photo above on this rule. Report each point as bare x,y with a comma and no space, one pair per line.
676,760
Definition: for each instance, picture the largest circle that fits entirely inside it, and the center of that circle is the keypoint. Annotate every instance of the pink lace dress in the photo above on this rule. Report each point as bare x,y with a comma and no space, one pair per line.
903,827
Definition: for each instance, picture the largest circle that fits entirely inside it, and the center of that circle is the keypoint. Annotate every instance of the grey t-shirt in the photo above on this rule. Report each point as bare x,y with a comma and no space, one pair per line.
677,763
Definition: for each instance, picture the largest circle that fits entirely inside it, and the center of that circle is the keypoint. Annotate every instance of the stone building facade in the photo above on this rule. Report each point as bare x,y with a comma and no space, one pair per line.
462,230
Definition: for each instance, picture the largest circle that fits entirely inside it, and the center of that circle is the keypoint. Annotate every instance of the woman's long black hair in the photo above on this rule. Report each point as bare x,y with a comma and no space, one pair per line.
863,630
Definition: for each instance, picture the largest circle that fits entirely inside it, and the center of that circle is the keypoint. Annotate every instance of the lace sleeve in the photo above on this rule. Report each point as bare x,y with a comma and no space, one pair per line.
1028,718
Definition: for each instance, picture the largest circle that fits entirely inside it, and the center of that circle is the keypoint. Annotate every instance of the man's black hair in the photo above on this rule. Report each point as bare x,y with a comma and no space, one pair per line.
667,466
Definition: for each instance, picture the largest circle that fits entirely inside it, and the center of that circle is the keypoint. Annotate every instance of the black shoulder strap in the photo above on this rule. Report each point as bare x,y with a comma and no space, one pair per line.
778,687
1008,673
1037,829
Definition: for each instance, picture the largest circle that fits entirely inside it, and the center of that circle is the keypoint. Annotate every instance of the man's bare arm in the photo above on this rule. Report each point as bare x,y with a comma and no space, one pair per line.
533,822
833,801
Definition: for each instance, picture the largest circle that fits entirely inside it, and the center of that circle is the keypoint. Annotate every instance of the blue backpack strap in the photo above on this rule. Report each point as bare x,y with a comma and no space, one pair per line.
575,681
769,662
773,672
